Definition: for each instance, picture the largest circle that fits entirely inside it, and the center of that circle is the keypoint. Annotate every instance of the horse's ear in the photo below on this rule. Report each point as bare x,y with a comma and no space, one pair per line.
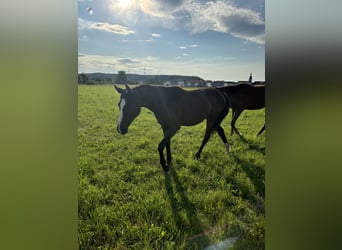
127,88
120,91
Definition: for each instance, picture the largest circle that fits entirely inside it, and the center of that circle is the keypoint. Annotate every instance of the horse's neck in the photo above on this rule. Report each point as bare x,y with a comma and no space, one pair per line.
146,98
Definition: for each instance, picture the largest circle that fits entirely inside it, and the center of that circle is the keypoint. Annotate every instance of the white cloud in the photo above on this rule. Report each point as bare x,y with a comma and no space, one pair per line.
128,61
151,58
163,9
223,17
195,16
190,46
83,24
112,28
107,64
151,39
95,63
137,40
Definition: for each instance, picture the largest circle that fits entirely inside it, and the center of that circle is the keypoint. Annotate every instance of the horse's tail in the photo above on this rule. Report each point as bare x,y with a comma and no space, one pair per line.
224,111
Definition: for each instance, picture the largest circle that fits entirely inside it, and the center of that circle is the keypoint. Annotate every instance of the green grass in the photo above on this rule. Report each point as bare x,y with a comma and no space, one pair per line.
127,201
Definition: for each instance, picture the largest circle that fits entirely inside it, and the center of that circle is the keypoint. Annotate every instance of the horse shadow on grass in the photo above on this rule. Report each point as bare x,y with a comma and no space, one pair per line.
252,146
190,224
256,174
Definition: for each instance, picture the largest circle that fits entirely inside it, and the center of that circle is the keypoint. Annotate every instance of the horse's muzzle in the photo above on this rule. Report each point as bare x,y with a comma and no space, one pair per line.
121,130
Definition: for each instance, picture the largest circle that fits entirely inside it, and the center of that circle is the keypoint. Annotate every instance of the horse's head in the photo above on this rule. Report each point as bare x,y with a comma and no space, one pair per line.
129,108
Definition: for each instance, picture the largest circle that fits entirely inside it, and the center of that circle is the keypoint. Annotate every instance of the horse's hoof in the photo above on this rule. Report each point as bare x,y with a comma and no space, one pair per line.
227,147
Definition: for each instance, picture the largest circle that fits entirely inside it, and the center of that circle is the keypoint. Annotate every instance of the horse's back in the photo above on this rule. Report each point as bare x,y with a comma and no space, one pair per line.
179,107
212,101
194,106
245,96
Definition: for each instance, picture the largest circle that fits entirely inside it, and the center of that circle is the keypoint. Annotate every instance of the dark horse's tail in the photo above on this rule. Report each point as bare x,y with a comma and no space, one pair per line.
224,111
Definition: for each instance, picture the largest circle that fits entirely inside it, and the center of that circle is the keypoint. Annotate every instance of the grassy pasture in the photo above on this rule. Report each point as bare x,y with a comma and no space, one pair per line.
126,201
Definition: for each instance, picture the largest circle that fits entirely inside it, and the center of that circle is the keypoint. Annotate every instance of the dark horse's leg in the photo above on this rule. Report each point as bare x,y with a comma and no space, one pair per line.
168,153
235,116
213,123
168,133
206,137
220,132
208,131
161,146
261,130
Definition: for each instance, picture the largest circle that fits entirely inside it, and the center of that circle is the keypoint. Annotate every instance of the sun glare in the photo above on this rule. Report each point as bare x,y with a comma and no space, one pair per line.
125,10
126,4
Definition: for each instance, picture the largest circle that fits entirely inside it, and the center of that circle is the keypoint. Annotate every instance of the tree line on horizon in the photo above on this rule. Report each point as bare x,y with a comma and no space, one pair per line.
123,78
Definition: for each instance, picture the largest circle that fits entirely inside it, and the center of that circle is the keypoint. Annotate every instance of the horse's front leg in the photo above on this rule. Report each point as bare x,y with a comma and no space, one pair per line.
161,147
166,142
236,114
168,152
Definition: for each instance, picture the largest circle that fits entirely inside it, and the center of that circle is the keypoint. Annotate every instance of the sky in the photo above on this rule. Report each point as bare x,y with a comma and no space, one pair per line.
214,40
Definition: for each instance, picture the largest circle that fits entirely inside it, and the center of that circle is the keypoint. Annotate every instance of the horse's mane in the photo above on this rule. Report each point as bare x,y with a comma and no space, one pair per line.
147,86
162,91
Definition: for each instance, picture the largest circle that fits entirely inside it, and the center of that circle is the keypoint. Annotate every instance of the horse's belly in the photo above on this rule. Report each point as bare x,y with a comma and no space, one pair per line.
255,107
192,122
191,117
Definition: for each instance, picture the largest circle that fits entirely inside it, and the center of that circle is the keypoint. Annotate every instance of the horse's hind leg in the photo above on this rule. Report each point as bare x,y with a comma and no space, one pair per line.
220,132
231,126
206,137
204,141
261,130
236,114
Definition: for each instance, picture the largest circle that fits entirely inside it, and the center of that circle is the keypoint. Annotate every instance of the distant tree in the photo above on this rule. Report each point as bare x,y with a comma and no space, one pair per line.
82,78
121,77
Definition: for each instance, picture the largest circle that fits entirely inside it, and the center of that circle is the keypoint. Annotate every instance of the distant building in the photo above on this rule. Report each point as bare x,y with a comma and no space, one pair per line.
245,82
208,83
180,83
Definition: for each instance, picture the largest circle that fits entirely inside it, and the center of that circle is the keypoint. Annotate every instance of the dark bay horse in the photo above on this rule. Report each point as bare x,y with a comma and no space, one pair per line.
174,107
244,96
